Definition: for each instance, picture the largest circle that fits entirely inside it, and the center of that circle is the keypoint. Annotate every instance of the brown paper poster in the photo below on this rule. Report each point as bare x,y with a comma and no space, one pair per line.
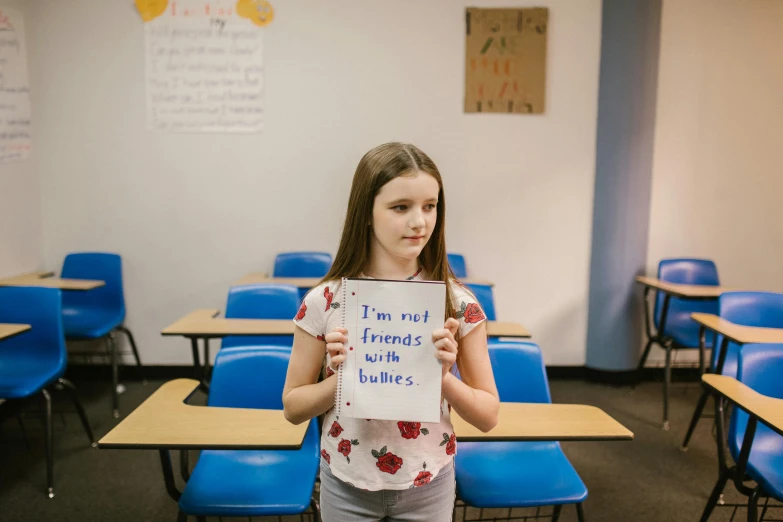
505,60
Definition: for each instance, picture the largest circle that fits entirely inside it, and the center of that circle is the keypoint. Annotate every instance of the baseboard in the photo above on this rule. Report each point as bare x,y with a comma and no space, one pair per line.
102,372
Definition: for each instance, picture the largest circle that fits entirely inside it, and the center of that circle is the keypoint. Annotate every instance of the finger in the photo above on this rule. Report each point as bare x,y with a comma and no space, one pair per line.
442,334
335,348
446,357
336,337
446,344
340,329
335,361
452,325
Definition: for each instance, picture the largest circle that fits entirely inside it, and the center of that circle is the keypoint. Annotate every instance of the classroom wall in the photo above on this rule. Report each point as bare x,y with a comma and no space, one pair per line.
717,172
21,240
191,213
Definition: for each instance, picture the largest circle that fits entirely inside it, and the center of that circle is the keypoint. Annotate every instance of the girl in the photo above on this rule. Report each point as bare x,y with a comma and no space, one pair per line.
373,469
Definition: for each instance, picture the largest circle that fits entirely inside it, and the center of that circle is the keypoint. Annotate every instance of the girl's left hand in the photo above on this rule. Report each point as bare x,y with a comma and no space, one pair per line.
446,344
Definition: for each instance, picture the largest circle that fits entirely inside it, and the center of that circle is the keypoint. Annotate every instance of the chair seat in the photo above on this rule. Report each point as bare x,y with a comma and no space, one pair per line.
765,465
253,483
516,474
88,323
24,374
684,330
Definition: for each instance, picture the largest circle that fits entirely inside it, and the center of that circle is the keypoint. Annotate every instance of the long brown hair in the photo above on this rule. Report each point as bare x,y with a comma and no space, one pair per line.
378,167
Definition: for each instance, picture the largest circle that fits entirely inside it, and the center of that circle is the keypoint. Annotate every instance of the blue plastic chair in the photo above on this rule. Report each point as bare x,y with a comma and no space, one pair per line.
32,363
759,367
518,474
485,298
302,264
252,483
261,301
760,309
97,313
458,266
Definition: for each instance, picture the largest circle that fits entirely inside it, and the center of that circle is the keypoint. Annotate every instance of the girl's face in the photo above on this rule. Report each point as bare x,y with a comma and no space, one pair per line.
404,214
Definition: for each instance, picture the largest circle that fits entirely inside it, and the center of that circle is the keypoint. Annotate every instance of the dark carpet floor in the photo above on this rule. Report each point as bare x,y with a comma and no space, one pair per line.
648,479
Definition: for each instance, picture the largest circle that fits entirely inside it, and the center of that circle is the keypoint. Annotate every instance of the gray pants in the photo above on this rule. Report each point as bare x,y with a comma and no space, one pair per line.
433,502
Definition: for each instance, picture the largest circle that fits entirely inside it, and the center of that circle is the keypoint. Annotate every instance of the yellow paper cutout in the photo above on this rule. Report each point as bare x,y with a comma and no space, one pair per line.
260,12
151,9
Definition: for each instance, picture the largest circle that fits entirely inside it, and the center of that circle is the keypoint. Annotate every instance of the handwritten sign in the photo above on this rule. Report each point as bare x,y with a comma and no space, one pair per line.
505,60
15,126
390,370
205,69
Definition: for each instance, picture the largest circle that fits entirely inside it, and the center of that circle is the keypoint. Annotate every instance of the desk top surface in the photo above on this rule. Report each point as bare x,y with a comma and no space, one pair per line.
205,323
683,291
9,329
738,333
164,421
769,410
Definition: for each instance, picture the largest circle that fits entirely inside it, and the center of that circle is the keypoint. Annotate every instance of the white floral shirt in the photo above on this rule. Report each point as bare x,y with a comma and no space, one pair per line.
380,454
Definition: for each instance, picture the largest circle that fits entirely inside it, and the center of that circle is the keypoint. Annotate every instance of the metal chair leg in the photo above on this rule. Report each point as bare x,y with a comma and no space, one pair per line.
753,505
556,512
715,495
643,360
132,342
695,419
115,379
666,382
71,390
580,514
47,404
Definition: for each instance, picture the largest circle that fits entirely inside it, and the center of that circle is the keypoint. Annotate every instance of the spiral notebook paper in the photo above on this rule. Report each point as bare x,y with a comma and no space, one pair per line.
390,371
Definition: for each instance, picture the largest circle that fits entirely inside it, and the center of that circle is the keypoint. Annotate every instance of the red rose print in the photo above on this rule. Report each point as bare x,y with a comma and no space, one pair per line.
335,430
411,430
329,371
450,442
345,447
473,313
387,462
326,456
301,313
321,337
329,296
423,477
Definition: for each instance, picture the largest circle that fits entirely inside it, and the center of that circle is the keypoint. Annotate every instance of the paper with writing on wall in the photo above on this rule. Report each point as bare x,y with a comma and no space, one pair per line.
390,371
204,69
15,126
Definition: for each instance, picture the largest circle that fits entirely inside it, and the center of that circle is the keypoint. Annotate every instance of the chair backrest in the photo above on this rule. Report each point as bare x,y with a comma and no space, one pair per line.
760,367
458,266
42,309
261,301
760,309
485,298
520,375
95,265
302,264
688,272
249,377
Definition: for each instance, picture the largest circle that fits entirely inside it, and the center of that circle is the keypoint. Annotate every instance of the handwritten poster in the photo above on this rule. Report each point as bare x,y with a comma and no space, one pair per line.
205,70
390,371
15,133
505,60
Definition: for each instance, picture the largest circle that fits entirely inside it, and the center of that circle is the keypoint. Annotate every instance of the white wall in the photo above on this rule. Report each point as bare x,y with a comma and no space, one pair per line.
717,169
192,213
21,243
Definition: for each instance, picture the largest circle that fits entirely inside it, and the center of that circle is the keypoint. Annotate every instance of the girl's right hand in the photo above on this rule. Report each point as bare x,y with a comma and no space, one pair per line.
335,346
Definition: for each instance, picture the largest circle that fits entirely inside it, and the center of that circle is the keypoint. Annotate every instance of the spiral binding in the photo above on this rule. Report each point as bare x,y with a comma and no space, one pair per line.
338,394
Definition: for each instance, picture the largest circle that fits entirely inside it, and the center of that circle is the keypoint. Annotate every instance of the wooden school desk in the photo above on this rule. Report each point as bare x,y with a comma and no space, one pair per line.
45,279
669,290
310,282
164,422
760,408
731,333
204,324
8,330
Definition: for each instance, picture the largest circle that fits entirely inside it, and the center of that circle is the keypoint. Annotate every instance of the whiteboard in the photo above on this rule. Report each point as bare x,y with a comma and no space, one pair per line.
15,131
